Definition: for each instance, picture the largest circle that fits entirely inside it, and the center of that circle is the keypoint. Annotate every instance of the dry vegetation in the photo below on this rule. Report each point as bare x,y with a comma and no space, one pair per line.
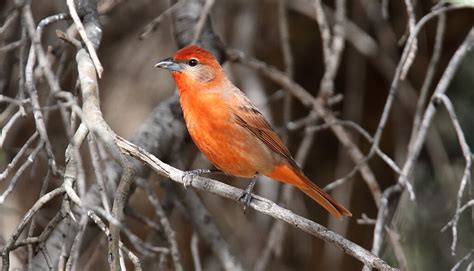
374,99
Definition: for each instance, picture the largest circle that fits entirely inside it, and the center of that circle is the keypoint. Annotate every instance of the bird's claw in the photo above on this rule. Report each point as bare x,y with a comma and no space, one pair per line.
187,178
246,197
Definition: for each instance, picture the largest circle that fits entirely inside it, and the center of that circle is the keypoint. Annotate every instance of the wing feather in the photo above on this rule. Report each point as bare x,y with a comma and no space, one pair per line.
250,118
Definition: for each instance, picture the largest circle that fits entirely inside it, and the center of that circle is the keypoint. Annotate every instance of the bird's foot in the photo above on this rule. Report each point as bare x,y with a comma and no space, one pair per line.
189,175
246,196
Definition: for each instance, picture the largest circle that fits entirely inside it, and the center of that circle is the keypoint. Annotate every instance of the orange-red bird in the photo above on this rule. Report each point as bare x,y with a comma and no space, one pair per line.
230,130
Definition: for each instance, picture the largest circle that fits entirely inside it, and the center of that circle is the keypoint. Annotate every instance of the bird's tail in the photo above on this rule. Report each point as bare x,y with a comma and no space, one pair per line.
290,174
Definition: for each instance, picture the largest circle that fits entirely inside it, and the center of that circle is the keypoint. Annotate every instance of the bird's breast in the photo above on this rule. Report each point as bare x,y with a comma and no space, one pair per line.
229,146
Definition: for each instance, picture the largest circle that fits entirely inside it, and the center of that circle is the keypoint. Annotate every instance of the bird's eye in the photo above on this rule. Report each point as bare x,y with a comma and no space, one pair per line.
193,62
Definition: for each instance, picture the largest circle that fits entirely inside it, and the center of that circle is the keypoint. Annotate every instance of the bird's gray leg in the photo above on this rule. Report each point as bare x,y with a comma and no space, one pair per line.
246,196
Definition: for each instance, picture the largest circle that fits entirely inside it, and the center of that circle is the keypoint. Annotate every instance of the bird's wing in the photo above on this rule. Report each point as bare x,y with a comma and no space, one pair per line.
250,118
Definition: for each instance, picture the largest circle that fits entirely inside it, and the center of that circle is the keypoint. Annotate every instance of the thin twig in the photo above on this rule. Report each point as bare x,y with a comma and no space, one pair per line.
460,210
12,46
153,25
139,245
467,169
437,49
31,159
73,157
18,102
394,239
465,258
85,38
142,219
288,60
202,20
26,218
32,227
46,256
168,230
365,134
323,29
36,50
9,21
209,232
365,220
414,45
135,260
404,63
39,119
44,235
95,157
332,60
393,90
76,245
441,88
195,252
6,128
379,233
66,38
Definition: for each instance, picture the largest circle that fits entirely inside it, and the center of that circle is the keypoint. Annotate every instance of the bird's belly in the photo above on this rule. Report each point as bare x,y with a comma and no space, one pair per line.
232,148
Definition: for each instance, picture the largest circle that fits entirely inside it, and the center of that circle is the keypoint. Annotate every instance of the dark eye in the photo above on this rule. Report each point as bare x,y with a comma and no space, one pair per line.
193,62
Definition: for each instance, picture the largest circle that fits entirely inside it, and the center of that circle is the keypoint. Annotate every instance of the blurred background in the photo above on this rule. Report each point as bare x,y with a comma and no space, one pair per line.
131,87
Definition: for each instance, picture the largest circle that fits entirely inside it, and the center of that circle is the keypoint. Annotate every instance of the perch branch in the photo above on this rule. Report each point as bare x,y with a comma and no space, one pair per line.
260,204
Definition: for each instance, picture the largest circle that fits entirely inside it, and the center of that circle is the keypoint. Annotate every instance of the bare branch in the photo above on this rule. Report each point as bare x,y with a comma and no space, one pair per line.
288,60
414,45
438,47
80,28
337,46
133,258
169,232
23,167
202,20
465,258
9,21
209,232
98,172
258,203
324,29
14,237
12,46
96,123
195,252
430,111
153,25
379,233
19,114
467,169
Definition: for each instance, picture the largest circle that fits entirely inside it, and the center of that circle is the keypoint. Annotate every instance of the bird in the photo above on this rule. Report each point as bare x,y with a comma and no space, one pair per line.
230,131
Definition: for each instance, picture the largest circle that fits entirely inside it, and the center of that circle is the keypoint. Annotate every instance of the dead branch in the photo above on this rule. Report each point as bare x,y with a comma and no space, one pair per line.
259,204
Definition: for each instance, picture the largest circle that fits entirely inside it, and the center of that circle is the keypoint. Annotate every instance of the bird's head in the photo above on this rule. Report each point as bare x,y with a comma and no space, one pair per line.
193,66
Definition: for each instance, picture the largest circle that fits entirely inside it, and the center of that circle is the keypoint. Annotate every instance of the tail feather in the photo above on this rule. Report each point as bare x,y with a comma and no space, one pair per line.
289,174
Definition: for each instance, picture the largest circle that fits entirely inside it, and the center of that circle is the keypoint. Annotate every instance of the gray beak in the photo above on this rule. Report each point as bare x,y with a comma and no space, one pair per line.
169,64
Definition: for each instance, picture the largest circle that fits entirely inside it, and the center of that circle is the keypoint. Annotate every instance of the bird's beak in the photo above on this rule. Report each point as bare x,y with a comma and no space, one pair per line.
169,64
